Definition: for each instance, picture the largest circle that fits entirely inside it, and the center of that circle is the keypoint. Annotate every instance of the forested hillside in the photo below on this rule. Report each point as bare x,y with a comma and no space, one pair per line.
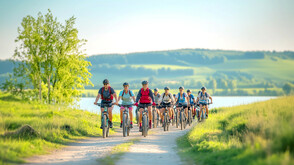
225,72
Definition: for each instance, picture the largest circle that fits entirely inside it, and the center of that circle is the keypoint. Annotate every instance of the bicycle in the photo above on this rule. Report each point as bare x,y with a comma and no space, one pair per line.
145,119
105,120
126,120
166,118
182,117
155,116
190,118
202,114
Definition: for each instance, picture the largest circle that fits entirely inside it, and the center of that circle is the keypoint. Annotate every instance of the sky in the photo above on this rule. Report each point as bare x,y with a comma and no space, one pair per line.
124,26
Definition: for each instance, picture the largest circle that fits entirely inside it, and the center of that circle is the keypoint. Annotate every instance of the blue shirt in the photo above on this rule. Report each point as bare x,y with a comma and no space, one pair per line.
182,99
191,97
126,98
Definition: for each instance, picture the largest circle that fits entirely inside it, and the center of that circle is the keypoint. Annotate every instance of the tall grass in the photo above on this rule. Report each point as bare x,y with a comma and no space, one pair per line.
56,125
259,133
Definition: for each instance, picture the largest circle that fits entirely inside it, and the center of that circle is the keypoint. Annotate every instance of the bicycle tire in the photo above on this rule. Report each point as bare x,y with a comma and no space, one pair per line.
124,125
182,120
145,124
104,129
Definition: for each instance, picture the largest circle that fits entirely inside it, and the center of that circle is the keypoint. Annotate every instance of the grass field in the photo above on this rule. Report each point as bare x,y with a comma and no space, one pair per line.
56,126
259,133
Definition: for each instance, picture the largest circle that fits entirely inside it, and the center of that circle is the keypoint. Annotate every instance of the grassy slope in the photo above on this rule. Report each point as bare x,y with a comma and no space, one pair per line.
259,133
49,121
280,70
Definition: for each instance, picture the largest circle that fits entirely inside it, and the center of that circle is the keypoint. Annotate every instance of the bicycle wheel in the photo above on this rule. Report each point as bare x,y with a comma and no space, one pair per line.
128,126
145,125
190,117
104,126
182,120
124,125
164,122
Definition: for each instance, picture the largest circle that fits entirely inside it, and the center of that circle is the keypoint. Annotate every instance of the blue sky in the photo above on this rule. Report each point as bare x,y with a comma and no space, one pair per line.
122,26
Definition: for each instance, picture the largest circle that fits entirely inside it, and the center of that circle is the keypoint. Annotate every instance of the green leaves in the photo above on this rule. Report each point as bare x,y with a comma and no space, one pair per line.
51,59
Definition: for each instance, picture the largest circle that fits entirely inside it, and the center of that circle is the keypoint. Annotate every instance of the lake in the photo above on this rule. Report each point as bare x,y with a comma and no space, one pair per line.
87,103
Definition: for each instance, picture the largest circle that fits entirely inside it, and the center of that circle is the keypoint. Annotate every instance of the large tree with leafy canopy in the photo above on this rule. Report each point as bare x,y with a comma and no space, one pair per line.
51,61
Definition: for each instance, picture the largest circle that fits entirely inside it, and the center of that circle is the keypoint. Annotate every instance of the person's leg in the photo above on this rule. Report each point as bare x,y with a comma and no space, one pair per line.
131,114
200,113
170,112
150,116
121,113
140,116
110,113
102,110
206,110
186,111
161,114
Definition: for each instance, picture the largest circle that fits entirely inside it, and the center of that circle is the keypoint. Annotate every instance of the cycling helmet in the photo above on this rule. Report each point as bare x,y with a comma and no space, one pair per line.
203,88
181,87
105,81
156,90
126,84
188,90
174,95
144,82
166,88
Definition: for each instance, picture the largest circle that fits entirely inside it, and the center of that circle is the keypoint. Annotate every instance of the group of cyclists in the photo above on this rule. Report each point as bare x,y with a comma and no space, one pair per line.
147,98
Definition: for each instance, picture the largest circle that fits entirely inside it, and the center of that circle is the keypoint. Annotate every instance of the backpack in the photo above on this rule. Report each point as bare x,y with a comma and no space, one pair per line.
205,94
179,95
124,93
142,91
165,95
110,94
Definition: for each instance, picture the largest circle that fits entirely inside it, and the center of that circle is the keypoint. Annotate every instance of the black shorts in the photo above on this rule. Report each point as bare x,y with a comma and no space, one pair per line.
105,103
142,105
183,105
163,105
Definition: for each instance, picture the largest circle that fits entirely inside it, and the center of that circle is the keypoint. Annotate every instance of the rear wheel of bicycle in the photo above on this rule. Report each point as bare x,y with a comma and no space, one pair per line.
124,125
104,126
145,125
182,120
190,117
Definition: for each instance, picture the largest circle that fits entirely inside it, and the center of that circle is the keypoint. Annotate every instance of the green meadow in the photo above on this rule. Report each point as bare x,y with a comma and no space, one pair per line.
258,133
55,126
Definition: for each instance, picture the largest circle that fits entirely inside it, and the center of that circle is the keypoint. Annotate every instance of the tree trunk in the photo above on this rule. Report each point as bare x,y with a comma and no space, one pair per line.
48,83
40,90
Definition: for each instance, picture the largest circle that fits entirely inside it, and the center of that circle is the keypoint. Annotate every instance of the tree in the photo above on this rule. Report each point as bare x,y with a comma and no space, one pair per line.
287,88
51,59
212,84
232,84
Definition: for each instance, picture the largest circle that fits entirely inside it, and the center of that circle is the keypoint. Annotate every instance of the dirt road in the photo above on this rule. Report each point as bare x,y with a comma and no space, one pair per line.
159,148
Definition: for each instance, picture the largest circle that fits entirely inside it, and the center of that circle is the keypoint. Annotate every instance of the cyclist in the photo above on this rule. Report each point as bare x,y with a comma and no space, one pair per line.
126,96
192,101
106,93
183,99
156,99
202,100
145,96
167,99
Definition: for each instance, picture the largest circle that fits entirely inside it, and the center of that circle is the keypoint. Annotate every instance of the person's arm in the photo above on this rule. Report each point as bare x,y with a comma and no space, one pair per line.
194,100
133,96
188,100
160,99
172,99
210,99
151,95
138,96
97,98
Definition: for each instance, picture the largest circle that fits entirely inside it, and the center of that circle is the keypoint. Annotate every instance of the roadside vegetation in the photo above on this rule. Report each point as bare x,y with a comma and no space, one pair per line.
259,133
52,127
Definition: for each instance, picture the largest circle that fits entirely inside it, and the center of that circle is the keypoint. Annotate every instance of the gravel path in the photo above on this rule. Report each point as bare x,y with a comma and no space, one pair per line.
158,148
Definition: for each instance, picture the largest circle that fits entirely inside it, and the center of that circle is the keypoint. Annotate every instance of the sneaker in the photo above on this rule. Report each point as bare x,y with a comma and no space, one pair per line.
206,116
120,125
140,129
101,127
131,125
110,124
